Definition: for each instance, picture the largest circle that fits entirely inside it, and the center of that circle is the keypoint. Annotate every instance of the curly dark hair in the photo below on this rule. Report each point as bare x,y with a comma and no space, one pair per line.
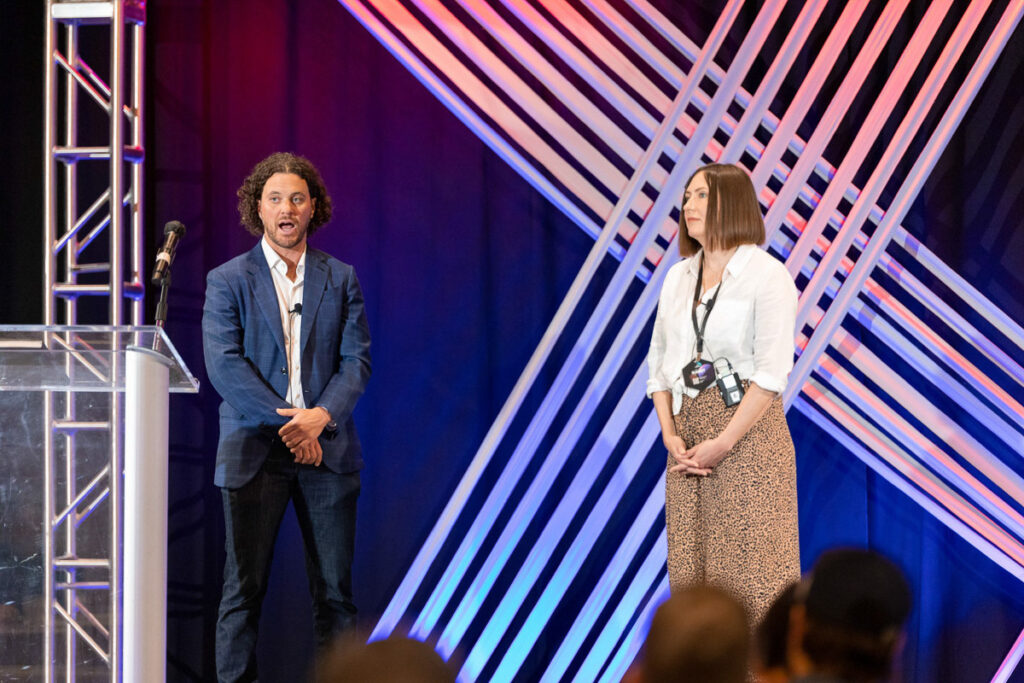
282,162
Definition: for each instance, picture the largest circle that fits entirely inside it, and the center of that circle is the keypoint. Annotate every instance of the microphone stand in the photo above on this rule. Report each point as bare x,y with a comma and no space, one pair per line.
173,232
161,307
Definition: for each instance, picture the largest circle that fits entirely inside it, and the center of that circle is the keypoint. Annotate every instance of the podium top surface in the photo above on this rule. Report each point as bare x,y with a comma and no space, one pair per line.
82,357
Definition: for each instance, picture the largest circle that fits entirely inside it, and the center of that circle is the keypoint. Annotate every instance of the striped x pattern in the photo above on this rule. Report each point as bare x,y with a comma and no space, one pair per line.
606,108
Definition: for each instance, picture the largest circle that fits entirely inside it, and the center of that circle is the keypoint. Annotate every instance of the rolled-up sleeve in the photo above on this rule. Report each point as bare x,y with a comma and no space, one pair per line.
656,357
774,330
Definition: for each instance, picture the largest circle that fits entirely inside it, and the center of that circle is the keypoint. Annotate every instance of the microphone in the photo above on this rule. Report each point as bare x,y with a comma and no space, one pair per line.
173,232
296,309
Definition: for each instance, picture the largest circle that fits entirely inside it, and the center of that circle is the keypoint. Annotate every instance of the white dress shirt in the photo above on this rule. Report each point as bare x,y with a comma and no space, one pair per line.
288,294
751,324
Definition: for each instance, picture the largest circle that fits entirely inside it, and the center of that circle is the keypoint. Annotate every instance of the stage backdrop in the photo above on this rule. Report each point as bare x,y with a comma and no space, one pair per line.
507,188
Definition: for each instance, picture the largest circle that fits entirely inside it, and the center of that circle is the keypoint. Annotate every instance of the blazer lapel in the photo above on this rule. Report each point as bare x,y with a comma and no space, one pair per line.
314,284
266,295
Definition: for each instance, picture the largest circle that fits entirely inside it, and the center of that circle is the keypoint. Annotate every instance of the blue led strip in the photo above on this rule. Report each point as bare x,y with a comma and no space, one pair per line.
954,320
963,289
944,381
885,417
650,515
817,410
633,639
528,504
628,623
1011,661
554,590
555,529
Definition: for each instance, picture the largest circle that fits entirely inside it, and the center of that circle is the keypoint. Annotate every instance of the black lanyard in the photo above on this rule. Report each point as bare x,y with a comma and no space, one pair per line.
698,330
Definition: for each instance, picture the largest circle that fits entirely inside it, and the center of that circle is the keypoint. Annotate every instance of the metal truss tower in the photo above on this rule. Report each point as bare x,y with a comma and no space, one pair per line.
87,255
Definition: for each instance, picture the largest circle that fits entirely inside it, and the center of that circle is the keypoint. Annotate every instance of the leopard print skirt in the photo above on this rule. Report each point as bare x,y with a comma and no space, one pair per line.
737,527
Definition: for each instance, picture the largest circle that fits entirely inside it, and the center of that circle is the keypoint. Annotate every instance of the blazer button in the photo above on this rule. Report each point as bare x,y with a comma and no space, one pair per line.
284,371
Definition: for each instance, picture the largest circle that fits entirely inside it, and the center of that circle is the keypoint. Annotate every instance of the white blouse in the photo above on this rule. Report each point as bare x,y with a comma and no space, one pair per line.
751,324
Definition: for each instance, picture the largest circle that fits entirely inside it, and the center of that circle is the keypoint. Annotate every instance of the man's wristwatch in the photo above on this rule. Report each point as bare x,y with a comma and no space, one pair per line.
331,425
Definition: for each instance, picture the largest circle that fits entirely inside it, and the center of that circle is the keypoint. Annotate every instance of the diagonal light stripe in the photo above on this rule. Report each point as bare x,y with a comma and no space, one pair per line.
963,289
558,85
649,516
521,132
538,427
873,188
632,639
834,113
908,192
754,113
534,105
574,557
528,504
866,136
632,612
936,306
471,119
964,329
912,439
1009,664
956,391
800,105
884,459
594,75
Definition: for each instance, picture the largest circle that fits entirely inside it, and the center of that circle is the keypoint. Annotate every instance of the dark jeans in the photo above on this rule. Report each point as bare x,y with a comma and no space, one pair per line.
325,505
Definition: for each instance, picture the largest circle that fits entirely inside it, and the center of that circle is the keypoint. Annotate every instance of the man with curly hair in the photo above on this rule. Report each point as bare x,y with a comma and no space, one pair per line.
287,347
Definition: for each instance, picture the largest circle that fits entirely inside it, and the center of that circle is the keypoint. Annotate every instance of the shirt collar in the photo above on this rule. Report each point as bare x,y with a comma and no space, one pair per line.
692,263
734,267
739,260
277,263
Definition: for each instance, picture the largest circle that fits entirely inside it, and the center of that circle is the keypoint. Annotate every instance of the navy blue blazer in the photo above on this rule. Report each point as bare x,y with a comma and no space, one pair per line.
243,344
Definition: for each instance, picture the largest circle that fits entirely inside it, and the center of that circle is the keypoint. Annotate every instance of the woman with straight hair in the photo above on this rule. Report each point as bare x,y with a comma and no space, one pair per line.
720,355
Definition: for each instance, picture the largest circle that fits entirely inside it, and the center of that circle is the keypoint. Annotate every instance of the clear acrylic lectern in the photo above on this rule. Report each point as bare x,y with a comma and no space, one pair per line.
83,501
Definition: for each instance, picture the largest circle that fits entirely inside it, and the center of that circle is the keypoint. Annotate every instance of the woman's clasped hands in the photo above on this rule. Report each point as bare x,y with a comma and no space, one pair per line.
698,460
